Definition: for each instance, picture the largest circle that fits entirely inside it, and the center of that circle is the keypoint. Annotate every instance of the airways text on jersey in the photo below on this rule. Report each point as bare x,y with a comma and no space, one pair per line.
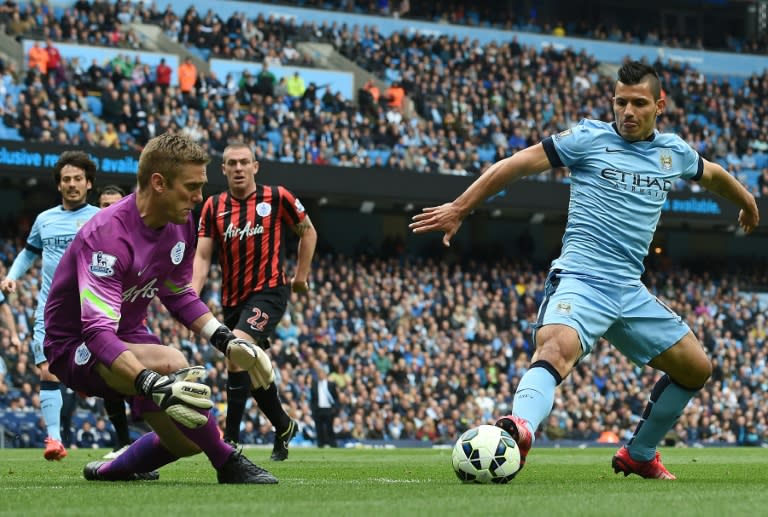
235,232
634,182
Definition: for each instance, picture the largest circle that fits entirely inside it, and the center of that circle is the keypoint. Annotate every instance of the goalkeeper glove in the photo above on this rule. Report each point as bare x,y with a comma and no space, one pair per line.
178,397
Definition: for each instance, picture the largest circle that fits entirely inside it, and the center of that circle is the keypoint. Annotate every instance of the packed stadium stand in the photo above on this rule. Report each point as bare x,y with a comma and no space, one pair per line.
420,349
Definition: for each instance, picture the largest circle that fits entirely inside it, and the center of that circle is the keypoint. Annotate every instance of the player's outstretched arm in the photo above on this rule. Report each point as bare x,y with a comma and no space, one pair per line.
447,217
717,180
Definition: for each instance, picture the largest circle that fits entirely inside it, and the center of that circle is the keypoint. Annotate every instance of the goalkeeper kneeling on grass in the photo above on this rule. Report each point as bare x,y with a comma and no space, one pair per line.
97,342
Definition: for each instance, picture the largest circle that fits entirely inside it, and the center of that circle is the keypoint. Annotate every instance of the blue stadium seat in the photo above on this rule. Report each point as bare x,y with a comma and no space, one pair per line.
276,138
94,105
72,128
761,160
11,133
201,53
486,153
750,178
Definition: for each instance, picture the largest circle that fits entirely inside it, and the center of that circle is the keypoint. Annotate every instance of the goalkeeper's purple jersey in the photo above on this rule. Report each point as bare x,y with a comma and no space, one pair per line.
114,268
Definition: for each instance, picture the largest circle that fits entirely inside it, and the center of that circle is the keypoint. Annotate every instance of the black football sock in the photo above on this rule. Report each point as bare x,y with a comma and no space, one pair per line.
116,412
238,386
269,403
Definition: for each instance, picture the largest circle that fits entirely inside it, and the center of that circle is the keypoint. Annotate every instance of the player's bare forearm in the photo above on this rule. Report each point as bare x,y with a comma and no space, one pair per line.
524,163
717,180
200,274
306,251
447,217
8,319
202,263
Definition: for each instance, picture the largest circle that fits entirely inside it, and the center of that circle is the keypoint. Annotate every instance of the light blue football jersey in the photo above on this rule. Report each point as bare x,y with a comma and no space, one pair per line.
618,189
51,233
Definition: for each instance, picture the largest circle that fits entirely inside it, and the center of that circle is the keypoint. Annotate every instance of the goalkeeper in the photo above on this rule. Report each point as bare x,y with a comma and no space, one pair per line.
96,338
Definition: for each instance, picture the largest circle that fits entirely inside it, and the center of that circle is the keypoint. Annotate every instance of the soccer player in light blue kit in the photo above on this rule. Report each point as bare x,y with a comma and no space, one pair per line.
51,233
97,343
621,174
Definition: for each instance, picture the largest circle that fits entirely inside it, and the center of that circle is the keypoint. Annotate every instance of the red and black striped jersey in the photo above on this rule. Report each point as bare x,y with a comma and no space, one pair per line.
248,235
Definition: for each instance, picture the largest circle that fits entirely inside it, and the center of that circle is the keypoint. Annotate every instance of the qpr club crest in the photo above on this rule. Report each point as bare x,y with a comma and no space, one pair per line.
666,160
82,355
263,209
177,253
102,264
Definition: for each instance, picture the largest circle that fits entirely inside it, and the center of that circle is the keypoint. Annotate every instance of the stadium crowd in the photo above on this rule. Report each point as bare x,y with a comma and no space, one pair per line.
450,106
524,17
421,350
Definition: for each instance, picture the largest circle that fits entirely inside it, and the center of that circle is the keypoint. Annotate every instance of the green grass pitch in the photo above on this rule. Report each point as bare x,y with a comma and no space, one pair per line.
374,482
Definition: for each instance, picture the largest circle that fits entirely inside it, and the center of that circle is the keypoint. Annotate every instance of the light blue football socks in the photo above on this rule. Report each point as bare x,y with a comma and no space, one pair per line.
50,406
535,396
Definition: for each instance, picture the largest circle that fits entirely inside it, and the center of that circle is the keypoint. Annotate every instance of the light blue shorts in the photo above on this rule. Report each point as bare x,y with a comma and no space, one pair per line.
633,320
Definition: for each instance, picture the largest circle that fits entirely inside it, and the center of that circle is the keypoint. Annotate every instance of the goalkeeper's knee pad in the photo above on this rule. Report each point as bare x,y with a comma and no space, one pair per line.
261,373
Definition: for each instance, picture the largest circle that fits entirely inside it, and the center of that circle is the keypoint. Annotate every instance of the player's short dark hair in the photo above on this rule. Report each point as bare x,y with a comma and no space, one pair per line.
78,159
111,190
236,145
635,72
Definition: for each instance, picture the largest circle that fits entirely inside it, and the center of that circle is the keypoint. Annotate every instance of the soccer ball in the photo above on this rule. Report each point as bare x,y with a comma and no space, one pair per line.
486,454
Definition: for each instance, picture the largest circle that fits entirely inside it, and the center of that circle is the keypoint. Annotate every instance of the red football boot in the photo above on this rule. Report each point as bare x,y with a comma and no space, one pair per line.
652,469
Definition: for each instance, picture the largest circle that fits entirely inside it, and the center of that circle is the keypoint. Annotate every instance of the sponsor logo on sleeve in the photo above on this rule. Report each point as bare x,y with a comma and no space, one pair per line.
177,253
263,209
563,134
102,264
299,206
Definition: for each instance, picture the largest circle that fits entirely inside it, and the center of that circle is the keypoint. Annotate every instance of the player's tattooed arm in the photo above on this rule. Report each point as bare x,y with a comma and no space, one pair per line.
303,227
307,242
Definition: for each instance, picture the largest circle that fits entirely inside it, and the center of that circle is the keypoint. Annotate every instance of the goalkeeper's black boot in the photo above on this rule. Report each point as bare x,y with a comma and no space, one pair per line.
91,473
240,470
280,448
